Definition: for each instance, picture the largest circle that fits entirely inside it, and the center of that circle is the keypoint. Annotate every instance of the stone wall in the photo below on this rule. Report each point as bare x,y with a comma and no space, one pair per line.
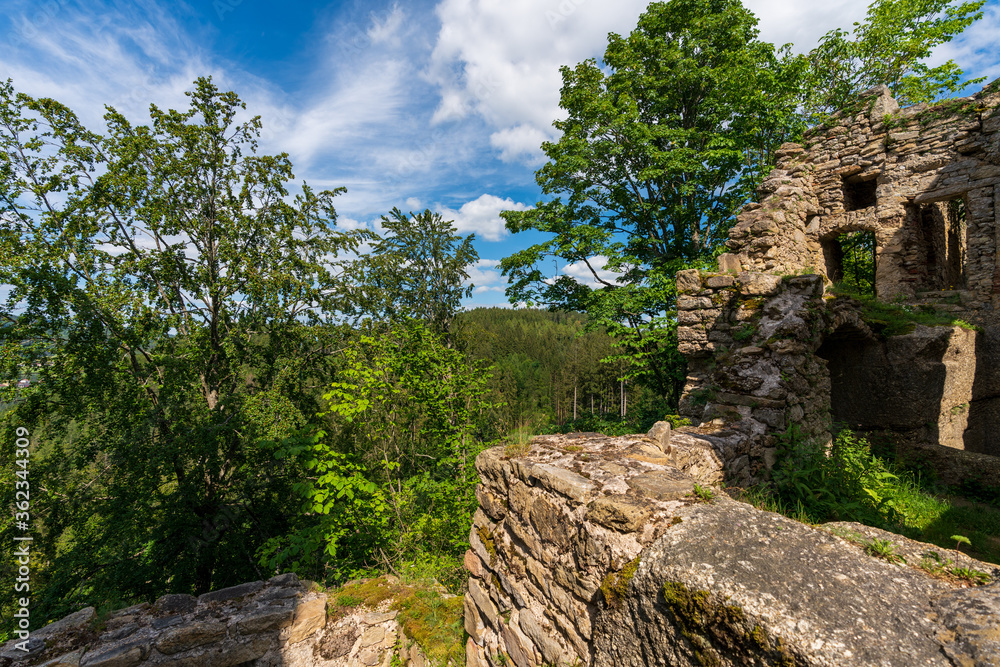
768,347
903,174
593,550
282,622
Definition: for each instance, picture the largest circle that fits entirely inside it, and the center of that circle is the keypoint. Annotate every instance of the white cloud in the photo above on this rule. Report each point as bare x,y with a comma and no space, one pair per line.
485,275
501,61
482,216
581,272
413,203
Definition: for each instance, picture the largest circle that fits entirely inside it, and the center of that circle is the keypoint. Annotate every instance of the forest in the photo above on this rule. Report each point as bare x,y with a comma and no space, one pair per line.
225,385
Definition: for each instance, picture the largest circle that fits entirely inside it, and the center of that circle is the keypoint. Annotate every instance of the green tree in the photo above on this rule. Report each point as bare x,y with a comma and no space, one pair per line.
393,480
660,148
416,270
889,48
168,299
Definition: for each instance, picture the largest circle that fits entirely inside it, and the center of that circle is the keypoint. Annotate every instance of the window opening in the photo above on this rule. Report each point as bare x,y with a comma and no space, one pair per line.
943,234
859,194
850,261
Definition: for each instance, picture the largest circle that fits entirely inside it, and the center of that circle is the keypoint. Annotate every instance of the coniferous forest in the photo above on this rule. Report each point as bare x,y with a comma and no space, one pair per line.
224,384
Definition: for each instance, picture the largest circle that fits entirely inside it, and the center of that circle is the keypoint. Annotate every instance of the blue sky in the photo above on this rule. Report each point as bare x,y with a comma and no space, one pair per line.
422,104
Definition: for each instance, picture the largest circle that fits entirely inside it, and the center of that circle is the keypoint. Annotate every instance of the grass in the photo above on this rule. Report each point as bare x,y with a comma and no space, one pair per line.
895,319
434,621
849,483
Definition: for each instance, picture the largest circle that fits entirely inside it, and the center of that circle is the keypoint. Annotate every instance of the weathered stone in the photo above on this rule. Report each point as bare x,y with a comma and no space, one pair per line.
71,659
176,603
660,434
473,564
487,609
667,484
184,637
518,646
265,618
310,616
231,593
287,579
617,514
688,280
552,653
474,625
561,481
769,589
75,620
127,655
729,263
379,616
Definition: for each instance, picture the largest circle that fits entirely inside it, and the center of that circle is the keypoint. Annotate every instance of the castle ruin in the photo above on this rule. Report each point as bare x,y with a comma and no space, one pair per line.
771,348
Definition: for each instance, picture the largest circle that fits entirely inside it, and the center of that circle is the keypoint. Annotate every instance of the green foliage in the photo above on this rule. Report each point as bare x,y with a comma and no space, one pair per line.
663,142
884,549
173,302
417,269
960,540
858,250
890,47
395,481
703,493
848,482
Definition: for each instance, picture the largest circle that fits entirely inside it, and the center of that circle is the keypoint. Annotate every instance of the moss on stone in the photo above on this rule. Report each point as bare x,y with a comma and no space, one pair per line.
716,628
487,539
615,584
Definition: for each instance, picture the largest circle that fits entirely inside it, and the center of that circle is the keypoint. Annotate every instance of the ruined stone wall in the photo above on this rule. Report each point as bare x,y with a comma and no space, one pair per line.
763,334
907,175
750,340
593,550
282,622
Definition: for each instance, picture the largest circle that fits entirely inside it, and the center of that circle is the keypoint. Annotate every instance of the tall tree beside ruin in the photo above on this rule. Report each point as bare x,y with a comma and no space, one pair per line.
661,145
890,48
162,281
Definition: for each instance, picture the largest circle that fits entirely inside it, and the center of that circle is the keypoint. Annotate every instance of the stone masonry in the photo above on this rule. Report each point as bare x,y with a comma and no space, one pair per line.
771,350
613,552
282,622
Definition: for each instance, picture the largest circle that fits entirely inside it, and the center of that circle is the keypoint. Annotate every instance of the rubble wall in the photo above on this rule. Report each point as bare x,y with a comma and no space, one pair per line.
282,622
900,173
593,550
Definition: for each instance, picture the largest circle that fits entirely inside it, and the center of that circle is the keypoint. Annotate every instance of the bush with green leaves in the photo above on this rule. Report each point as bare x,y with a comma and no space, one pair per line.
393,481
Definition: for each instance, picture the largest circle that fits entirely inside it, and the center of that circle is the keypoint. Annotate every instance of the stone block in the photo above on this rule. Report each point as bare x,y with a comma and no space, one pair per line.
119,656
717,282
176,603
758,284
688,280
561,481
617,514
265,618
660,434
310,616
71,659
662,484
231,593
184,637
729,263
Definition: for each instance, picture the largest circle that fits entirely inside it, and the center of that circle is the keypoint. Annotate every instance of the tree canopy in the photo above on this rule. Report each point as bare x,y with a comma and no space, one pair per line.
161,288
662,143
890,48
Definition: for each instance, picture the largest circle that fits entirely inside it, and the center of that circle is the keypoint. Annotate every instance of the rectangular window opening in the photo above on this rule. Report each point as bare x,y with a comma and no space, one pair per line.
859,194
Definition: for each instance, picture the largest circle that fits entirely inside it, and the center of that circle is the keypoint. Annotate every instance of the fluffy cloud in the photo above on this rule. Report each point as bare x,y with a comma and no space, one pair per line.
482,216
486,277
581,272
501,61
